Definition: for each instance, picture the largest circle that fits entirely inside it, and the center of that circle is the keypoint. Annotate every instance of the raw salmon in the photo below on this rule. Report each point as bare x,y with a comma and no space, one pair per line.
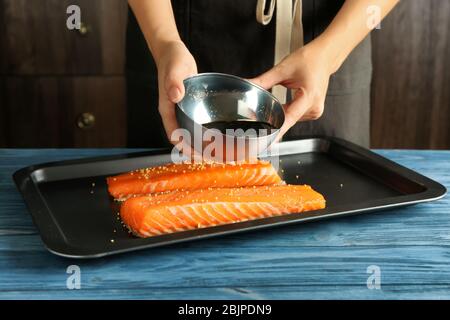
158,214
186,176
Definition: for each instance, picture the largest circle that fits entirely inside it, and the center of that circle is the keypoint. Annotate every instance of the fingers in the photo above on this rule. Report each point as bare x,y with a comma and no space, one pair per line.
174,85
302,108
315,111
295,110
270,78
314,114
166,109
173,92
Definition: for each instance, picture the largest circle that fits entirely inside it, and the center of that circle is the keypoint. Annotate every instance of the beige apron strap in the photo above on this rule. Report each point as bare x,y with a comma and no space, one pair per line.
262,18
282,41
288,33
297,37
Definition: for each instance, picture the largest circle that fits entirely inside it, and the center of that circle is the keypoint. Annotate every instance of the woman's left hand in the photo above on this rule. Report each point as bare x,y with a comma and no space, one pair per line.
307,71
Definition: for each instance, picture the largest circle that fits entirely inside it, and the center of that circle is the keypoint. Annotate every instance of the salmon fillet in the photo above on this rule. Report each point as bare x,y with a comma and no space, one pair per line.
186,176
158,214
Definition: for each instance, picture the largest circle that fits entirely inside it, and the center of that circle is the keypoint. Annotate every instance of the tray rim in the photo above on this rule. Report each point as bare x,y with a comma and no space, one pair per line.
32,198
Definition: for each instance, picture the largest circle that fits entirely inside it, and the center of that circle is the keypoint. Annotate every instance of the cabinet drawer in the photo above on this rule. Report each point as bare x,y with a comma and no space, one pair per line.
34,38
62,112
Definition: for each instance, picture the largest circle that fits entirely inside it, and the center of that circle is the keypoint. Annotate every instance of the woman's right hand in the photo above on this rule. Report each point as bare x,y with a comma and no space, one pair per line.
175,64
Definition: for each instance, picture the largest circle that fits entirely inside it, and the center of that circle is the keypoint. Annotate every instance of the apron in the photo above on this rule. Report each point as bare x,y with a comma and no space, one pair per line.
228,36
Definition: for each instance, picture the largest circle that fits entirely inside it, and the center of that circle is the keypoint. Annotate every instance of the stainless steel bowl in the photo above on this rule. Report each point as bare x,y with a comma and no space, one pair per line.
213,97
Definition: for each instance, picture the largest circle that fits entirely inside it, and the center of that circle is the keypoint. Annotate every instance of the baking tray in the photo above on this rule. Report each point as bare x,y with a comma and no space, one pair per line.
76,218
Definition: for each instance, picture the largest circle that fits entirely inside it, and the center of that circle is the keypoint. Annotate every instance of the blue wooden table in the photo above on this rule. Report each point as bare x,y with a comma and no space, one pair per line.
322,260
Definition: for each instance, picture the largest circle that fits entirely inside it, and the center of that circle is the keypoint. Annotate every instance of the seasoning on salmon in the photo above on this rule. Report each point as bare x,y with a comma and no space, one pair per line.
187,176
158,214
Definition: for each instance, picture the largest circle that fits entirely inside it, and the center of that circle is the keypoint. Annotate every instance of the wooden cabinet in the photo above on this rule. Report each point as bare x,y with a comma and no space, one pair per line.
63,111
50,76
411,81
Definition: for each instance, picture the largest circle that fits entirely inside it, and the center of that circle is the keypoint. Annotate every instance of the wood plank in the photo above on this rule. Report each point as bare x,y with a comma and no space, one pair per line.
440,75
410,96
264,273
43,111
352,292
113,34
37,41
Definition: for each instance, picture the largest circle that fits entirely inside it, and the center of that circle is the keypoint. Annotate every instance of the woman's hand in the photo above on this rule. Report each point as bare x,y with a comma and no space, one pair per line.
175,63
307,72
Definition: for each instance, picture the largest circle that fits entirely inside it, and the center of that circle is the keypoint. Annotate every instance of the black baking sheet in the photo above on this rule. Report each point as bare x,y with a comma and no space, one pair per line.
76,218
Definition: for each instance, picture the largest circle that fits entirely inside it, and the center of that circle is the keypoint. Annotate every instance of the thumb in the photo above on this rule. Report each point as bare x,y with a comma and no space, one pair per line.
269,78
174,85
294,110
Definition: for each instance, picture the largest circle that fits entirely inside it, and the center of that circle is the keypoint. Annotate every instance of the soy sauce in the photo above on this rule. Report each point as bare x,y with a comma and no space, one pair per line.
223,126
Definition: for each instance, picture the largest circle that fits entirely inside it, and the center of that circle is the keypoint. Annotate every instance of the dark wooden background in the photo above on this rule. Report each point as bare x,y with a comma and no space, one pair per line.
50,77
411,83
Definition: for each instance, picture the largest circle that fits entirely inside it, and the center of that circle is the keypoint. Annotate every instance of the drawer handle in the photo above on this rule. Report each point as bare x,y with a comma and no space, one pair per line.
86,121
84,29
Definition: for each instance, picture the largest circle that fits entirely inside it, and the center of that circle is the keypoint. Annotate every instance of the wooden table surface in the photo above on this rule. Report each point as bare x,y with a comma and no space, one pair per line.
320,260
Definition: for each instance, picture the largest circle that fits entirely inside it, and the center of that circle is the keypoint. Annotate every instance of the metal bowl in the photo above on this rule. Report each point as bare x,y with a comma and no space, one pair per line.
214,98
